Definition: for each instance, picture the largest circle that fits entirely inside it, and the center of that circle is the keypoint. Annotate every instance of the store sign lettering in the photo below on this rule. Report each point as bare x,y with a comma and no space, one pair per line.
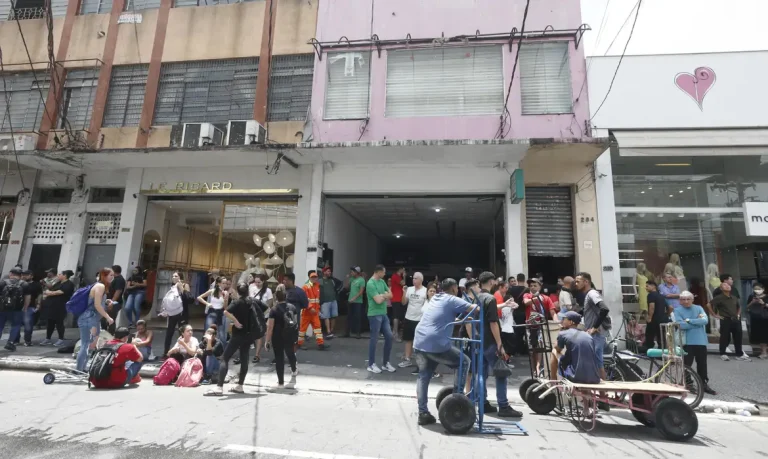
190,187
756,218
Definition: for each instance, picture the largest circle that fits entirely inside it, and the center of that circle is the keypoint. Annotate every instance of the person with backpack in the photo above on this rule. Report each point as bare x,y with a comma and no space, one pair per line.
14,301
117,363
89,302
282,334
246,328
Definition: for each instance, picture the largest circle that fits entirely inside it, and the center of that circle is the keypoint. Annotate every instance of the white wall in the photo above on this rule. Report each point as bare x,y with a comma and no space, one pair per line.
645,95
418,179
352,243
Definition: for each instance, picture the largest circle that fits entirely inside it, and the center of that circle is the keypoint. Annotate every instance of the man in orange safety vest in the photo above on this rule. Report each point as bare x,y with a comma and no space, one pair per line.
311,316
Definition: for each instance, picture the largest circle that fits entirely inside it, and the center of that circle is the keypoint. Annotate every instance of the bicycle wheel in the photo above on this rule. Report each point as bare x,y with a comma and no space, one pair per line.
691,381
614,373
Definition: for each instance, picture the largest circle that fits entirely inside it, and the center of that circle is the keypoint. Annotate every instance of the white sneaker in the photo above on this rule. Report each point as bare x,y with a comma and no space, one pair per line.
295,373
405,363
374,368
290,385
724,358
744,358
388,367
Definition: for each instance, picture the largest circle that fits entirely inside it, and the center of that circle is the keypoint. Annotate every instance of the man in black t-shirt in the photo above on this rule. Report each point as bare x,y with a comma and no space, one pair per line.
34,290
516,292
14,301
238,314
116,289
658,313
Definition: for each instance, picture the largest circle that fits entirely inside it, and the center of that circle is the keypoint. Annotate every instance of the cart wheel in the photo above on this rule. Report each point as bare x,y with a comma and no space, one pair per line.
457,414
49,378
525,385
675,419
441,394
645,419
540,405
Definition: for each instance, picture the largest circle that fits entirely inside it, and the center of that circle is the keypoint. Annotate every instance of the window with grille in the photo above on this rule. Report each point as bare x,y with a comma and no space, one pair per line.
49,225
445,82
206,91
348,88
95,6
104,225
136,5
26,93
106,195
290,87
77,100
545,78
126,95
54,195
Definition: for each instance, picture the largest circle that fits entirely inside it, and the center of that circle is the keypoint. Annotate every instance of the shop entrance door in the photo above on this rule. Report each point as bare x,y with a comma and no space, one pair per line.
98,256
44,257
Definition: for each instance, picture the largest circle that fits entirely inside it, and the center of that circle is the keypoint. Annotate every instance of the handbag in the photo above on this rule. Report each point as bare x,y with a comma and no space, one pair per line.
501,369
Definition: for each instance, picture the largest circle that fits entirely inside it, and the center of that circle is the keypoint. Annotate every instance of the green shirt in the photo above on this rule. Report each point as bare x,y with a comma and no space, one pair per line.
327,291
356,284
373,288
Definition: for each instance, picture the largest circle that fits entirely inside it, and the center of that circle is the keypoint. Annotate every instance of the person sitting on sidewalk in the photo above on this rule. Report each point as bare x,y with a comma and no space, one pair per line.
693,321
126,364
212,348
186,346
432,343
573,357
143,340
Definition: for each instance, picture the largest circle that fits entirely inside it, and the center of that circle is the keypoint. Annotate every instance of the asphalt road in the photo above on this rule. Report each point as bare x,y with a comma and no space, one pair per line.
68,421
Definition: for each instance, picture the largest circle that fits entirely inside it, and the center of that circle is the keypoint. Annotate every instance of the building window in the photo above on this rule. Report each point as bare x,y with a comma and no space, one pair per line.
126,95
106,195
290,87
27,101
55,195
207,91
96,6
77,100
348,86
545,79
136,5
26,9
445,82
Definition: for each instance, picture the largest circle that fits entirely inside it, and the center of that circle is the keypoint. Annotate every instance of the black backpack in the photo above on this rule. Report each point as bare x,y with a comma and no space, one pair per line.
12,297
256,326
102,362
290,323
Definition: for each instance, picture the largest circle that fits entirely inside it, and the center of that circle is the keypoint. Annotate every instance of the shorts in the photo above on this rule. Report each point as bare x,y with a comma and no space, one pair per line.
533,338
599,348
398,311
409,329
329,310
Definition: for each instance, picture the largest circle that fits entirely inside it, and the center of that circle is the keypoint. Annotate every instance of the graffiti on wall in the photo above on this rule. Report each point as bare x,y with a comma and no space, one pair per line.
696,84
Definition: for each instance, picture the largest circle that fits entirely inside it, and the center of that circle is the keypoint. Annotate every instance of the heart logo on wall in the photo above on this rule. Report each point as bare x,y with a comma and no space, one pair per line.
697,84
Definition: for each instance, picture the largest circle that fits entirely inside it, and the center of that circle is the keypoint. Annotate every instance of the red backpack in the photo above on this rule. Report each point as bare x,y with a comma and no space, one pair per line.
191,373
168,372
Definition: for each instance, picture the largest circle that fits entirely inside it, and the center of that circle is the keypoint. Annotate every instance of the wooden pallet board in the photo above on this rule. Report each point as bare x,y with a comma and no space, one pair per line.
610,386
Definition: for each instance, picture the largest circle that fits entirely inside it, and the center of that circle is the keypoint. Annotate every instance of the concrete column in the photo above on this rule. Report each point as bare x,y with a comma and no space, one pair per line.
130,238
609,242
20,221
308,221
513,236
77,222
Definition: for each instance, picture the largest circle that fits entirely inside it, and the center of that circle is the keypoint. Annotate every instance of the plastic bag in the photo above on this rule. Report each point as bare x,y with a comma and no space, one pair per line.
501,369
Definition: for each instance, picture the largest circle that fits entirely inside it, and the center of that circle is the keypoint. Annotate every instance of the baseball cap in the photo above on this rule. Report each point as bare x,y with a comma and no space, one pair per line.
50,271
468,269
16,271
26,272
327,269
573,316
355,269
313,274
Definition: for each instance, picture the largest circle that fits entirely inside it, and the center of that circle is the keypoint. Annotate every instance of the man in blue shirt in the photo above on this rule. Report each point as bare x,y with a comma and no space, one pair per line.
670,291
693,321
578,363
432,343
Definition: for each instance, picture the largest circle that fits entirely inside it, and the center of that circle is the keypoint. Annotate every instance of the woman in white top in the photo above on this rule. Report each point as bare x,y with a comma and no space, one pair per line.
172,307
186,346
415,298
258,290
216,301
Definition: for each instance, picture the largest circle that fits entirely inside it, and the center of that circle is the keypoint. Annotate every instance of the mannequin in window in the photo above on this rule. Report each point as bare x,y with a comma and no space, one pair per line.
642,275
674,268
713,279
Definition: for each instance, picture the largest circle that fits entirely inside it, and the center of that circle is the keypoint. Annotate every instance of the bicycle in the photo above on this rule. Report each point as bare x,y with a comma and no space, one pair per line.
624,366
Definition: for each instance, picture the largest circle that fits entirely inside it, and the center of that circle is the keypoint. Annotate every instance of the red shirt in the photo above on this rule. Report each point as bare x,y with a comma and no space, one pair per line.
541,304
127,352
499,300
397,289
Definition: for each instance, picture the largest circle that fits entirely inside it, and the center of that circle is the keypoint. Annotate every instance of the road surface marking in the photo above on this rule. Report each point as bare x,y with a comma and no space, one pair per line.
291,452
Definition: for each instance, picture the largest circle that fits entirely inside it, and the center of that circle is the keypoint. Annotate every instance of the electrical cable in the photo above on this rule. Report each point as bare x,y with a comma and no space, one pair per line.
631,31
364,126
505,115
621,28
7,96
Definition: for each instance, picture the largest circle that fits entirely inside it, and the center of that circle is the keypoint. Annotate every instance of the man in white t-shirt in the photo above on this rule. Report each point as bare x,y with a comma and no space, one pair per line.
414,299
467,276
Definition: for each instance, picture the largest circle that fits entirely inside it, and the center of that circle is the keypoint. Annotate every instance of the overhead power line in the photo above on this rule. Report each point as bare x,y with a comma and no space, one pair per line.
505,116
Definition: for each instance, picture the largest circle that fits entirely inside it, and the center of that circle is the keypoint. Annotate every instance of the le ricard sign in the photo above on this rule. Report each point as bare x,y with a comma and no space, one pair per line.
756,218
188,187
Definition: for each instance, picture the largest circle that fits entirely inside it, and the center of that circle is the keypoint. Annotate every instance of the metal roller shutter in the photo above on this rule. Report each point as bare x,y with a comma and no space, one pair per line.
549,219
545,78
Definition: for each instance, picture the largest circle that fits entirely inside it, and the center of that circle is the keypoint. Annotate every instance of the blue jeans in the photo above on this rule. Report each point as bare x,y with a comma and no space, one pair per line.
87,322
133,306
489,360
131,370
16,318
29,324
354,317
145,351
379,324
599,341
427,363
211,366
329,310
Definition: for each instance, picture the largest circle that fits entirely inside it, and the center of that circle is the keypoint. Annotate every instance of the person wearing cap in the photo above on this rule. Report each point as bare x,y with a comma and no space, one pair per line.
573,356
14,301
50,278
536,303
467,276
355,301
126,365
311,316
330,288
35,291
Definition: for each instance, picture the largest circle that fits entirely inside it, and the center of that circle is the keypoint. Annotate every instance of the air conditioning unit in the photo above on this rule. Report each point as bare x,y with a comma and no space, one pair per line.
245,132
201,134
22,142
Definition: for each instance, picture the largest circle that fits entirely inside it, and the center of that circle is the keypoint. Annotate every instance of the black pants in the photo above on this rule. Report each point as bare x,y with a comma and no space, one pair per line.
730,327
652,334
113,314
173,326
699,353
236,343
283,350
58,324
